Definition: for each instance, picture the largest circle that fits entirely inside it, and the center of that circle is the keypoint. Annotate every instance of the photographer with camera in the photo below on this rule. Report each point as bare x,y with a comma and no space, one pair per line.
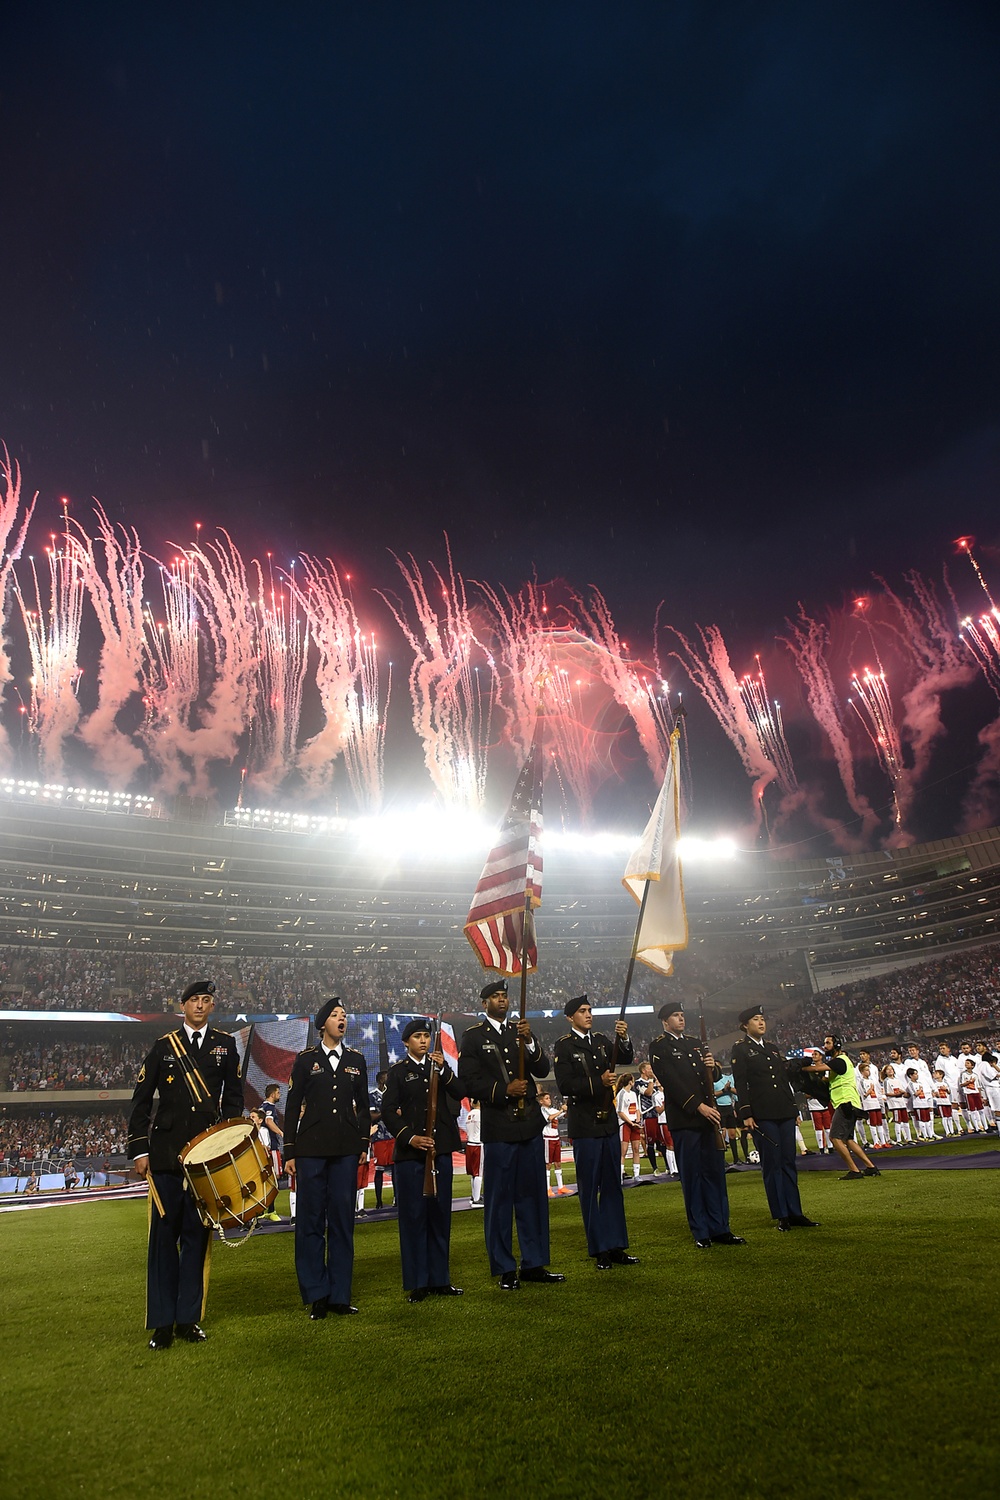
846,1109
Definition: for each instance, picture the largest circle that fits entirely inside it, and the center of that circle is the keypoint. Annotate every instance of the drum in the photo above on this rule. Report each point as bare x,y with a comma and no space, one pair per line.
230,1174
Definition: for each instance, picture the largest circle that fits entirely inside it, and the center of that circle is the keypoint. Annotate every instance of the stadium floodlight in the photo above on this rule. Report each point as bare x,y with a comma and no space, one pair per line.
705,850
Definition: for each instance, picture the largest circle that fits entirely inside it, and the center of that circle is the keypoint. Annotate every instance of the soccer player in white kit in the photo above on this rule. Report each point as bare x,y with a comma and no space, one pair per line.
951,1068
897,1096
553,1145
872,1102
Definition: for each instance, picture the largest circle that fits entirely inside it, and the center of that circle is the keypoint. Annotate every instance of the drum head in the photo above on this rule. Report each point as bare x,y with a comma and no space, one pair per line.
219,1142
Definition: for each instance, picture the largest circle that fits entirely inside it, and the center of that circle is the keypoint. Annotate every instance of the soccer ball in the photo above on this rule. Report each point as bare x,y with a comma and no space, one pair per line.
755,1158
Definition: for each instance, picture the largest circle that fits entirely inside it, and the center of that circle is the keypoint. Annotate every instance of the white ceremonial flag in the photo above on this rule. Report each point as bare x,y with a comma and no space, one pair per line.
656,860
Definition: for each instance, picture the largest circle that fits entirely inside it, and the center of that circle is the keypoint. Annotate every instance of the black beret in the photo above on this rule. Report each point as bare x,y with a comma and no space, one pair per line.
419,1023
669,1009
572,1006
323,1014
748,1014
199,987
498,987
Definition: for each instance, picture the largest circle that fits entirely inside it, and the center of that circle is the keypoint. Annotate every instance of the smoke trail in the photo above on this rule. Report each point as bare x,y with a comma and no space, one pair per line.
451,709
116,594
711,671
10,551
53,632
807,642
282,637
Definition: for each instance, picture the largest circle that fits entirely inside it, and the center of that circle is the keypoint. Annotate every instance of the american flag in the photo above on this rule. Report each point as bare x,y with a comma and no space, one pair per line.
500,920
273,1047
392,1031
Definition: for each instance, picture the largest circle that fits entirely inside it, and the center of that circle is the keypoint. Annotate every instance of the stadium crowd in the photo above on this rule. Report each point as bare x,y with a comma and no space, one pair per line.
70,979
948,992
56,1137
81,1065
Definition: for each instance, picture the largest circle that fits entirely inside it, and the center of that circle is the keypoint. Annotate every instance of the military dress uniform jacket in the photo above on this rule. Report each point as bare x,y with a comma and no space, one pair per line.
327,1112
404,1108
679,1064
178,1119
763,1086
579,1062
488,1061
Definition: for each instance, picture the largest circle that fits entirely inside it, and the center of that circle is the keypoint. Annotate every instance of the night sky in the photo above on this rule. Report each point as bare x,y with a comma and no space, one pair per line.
695,303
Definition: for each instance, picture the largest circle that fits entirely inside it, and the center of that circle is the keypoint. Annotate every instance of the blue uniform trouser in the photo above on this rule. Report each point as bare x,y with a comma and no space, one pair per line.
775,1140
702,1167
324,1226
177,1258
514,1179
599,1188
424,1224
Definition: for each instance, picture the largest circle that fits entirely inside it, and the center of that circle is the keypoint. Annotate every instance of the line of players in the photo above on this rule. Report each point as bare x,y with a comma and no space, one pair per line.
960,1091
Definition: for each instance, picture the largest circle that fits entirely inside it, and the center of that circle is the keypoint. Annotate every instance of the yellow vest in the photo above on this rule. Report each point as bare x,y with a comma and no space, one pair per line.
843,1086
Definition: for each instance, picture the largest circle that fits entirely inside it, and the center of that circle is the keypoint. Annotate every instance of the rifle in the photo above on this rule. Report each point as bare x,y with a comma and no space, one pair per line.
430,1164
720,1139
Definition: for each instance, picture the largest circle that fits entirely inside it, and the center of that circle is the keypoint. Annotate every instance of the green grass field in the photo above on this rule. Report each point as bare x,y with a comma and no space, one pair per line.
858,1359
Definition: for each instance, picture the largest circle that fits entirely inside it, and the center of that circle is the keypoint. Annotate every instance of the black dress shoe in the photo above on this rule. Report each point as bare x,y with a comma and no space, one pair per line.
509,1282
783,1225
622,1258
162,1338
539,1273
191,1333
703,1244
419,1295
727,1239
319,1309
342,1309
799,1221
603,1261
446,1291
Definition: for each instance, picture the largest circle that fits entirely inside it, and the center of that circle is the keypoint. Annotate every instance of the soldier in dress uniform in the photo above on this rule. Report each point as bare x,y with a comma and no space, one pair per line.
189,1102
585,1078
765,1102
424,1222
692,1118
512,1124
326,1135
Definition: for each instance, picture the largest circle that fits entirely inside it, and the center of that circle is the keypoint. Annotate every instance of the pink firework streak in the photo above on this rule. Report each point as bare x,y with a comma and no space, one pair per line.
171,674
282,654
53,631
929,639
452,708
711,671
873,706
808,641
552,669
13,529
630,685
765,716
364,750
349,682
116,594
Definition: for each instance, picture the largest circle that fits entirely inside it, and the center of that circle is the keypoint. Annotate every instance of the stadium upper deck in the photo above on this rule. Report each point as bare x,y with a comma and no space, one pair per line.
85,877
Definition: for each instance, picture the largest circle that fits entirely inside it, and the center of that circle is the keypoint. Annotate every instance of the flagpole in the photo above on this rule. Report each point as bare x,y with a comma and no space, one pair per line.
628,985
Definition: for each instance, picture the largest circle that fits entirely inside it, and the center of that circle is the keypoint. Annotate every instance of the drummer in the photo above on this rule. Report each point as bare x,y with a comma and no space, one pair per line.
196,1074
